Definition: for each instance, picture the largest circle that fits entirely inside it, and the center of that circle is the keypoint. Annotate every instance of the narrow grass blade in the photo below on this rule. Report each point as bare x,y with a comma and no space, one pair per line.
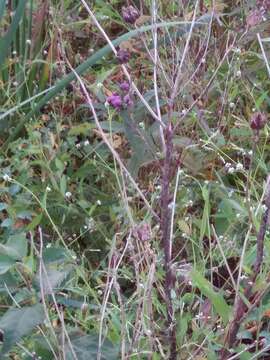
6,41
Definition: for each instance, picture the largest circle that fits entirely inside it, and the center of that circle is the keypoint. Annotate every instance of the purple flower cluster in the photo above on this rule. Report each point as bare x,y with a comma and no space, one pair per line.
123,56
124,100
130,14
115,101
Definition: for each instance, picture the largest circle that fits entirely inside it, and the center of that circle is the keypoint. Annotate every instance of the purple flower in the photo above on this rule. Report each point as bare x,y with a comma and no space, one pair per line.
130,14
124,86
254,18
128,101
115,101
258,121
123,56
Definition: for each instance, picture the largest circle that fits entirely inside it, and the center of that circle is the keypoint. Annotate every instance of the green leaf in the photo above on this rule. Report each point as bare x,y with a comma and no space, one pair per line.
86,347
17,323
6,223
55,255
220,305
15,247
36,221
3,206
6,263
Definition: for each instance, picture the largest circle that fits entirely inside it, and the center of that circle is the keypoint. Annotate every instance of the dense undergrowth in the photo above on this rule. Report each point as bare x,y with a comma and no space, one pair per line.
134,192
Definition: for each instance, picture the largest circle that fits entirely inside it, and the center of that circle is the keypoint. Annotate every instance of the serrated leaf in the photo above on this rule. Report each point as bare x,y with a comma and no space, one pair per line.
206,288
17,323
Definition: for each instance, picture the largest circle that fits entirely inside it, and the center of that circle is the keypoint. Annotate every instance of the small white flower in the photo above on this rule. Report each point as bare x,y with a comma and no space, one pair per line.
231,105
184,111
190,203
264,207
48,189
15,83
141,124
99,85
86,143
238,51
221,237
6,177
78,145
106,104
68,194
227,165
28,41
238,73
231,170
14,52
250,153
238,215
203,61
199,316
48,245
98,202
243,277
239,167
171,205
45,52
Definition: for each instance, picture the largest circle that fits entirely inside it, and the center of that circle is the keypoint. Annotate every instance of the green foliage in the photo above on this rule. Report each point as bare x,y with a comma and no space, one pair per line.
17,323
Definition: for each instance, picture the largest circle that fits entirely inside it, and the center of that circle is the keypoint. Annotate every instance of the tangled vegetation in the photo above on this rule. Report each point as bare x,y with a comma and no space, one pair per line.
134,183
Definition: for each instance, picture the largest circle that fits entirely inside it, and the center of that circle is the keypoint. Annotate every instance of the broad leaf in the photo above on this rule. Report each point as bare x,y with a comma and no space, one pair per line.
17,323
86,347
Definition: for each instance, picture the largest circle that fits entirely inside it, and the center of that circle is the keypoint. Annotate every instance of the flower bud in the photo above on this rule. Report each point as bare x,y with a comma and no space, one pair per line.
258,121
128,101
124,86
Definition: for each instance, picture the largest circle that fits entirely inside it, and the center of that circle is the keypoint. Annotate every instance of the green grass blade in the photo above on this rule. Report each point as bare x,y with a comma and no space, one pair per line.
6,41
216,298
2,8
